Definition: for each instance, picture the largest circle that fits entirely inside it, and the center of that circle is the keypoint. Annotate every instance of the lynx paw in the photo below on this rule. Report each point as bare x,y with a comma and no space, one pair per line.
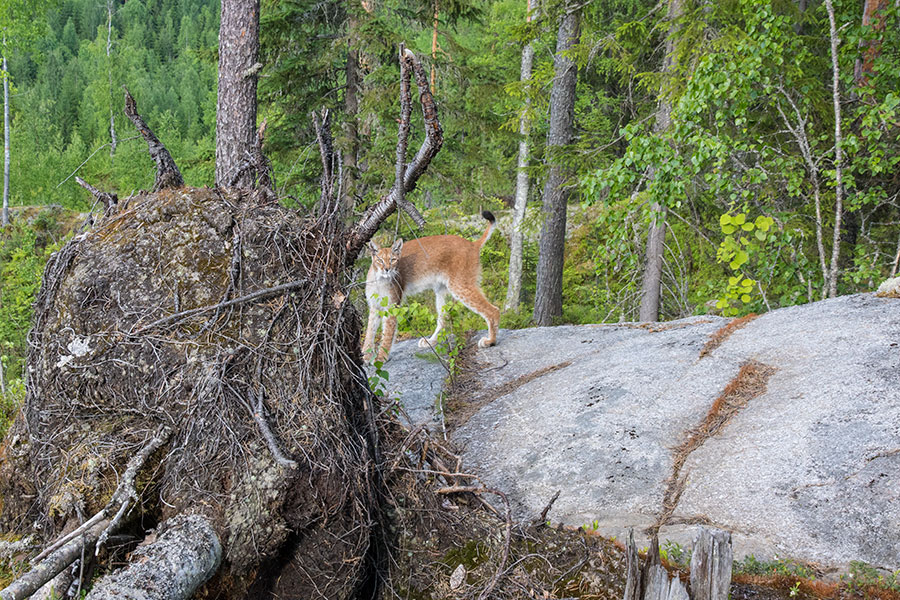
426,343
485,342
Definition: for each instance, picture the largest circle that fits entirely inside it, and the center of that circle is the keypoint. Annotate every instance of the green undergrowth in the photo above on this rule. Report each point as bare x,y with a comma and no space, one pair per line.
25,245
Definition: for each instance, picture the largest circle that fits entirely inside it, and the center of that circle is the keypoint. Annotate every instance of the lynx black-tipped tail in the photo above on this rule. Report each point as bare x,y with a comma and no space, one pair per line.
490,228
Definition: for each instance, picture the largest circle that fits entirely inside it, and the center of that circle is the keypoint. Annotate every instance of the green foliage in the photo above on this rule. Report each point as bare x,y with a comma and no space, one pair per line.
863,576
9,406
24,251
736,251
674,554
750,565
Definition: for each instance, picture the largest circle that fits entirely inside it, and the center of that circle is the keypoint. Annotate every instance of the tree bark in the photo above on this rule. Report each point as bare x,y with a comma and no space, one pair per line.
514,288
870,50
112,114
236,107
351,112
186,554
548,298
4,220
838,154
651,284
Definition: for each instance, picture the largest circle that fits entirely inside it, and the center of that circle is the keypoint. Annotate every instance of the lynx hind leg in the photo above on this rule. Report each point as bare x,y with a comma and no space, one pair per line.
388,333
440,302
473,298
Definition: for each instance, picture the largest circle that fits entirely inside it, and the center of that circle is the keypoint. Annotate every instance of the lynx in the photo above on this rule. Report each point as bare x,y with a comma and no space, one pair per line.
443,263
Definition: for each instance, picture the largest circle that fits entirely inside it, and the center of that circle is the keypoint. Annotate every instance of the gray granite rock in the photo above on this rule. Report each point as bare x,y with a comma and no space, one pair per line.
809,469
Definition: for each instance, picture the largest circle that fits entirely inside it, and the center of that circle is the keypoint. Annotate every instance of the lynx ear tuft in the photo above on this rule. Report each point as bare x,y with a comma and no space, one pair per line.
398,245
372,248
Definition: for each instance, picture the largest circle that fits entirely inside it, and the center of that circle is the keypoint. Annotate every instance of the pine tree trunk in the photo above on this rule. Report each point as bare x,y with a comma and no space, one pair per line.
548,298
514,289
651,285
236,108
351,132
112,114
4,220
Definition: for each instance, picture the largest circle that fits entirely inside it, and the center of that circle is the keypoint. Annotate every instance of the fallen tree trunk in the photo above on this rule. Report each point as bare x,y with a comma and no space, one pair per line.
53,564
186,553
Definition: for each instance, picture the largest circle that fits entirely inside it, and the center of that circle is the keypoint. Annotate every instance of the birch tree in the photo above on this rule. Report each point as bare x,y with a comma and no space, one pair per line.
514,289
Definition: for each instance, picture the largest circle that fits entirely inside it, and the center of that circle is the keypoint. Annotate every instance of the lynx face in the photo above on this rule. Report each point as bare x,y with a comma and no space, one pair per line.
384,262
447,264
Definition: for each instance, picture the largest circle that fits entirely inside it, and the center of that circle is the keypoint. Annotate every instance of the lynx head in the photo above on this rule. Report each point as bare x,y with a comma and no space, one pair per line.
384,260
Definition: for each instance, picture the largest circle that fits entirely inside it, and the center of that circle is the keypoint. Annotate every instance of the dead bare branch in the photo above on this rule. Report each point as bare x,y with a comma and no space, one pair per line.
257,295
167,173
121,498
327,203
375,216
108,199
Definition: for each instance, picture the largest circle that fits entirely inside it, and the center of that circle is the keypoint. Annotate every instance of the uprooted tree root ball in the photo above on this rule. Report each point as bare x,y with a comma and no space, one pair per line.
158,323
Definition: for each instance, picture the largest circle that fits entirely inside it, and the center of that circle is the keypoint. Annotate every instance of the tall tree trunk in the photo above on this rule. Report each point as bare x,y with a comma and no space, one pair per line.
838,154
651,284
351,112
548,298
514,289
236,107
434,35
112,115
871,49
4,220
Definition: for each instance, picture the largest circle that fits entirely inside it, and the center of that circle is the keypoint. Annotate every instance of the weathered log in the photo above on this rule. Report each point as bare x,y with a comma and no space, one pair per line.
167,173
184,556
632,570
52,565
711,565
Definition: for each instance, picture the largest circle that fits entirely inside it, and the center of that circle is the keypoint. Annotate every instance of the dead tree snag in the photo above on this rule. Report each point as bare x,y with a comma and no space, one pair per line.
408,174
167,173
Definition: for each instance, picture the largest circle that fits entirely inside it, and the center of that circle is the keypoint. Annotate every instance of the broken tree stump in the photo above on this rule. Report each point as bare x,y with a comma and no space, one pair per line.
710,570
652,581
711,565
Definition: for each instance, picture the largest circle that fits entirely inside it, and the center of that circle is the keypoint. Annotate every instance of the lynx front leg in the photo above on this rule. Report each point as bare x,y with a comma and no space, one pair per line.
388,332
371,329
